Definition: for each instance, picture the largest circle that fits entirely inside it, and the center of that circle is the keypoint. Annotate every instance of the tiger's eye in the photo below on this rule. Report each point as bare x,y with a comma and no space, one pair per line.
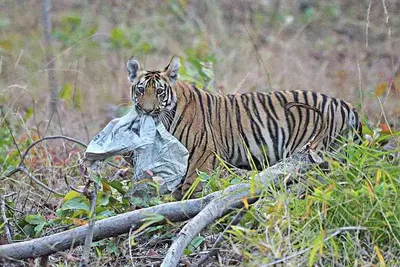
159,91
140,89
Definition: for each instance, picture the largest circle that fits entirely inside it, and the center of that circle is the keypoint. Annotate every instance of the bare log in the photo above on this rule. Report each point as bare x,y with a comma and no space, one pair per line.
109,227
232,197
216,209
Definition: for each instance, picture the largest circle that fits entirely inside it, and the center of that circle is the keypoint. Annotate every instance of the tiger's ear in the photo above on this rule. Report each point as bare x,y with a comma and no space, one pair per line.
171,71
133,66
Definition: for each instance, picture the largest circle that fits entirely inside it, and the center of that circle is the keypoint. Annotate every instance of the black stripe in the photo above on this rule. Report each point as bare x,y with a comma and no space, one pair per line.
281,98
256,129
255,107
295,143
307,121
323,106
271,106
281,145
315,114
240,129
233,141
332,123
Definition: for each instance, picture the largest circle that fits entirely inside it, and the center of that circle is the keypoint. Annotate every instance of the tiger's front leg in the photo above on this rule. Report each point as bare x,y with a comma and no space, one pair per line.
205,163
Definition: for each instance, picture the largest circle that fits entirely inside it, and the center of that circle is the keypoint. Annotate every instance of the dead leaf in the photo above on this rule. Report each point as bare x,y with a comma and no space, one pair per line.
245,202
380,88
385,128
79,222
152,253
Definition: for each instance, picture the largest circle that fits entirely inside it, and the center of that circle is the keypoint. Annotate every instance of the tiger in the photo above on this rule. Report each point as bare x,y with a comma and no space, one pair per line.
246,130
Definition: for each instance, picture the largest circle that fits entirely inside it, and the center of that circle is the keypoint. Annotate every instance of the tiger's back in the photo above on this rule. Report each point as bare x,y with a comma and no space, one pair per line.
240,128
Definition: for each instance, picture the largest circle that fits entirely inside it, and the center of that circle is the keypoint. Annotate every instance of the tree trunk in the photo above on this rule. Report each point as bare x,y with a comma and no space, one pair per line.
50,60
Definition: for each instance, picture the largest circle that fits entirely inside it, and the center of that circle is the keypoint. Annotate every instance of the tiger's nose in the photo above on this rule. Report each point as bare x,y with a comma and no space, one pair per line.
150,110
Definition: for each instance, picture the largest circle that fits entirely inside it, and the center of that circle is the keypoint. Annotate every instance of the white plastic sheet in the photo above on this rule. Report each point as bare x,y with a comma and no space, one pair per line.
155,150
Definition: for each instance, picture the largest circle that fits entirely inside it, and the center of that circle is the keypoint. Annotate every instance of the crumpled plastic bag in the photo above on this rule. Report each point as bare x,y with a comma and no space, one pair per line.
155,153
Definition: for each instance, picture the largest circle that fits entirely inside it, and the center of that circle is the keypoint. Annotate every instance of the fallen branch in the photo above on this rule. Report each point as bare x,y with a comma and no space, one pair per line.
109,227
232,198
214,250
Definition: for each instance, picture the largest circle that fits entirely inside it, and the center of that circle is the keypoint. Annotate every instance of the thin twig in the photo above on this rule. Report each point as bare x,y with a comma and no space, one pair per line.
130,245
4,217
335,233
70,186
389,27
368,22
50,138
215,248
33,178
36,142
92,195
22,168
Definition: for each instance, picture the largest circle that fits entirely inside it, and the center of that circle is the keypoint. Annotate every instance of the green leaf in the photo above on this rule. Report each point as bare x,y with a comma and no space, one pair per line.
66,92
187,251
118,186
71,194
98,251
104,214
196,242
28,114
38,220
112,248
193,245
38,228
77,203
118,38
72,20
104,198
97,180
207,69
35,219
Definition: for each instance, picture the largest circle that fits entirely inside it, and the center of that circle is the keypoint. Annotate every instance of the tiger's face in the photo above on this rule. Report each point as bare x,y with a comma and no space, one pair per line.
151,91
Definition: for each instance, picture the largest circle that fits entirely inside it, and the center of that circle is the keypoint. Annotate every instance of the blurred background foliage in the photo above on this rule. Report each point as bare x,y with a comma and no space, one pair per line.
225,46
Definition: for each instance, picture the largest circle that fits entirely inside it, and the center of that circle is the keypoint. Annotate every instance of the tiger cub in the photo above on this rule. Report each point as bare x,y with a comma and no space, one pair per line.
239,128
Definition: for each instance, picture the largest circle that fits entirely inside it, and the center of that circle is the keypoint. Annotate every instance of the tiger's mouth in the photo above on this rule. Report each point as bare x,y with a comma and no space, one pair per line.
154,112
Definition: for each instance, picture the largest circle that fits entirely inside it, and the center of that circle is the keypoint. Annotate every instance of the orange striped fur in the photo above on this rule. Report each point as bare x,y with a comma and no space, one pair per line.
208,123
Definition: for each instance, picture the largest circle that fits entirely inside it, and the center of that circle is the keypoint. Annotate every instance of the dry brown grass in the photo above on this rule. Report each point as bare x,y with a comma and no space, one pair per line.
325,53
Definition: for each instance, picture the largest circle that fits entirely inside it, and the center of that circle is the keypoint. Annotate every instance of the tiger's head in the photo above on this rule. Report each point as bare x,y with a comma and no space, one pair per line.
151,91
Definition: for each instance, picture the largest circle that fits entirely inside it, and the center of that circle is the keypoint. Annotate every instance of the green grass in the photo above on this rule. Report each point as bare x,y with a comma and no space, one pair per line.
362,192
